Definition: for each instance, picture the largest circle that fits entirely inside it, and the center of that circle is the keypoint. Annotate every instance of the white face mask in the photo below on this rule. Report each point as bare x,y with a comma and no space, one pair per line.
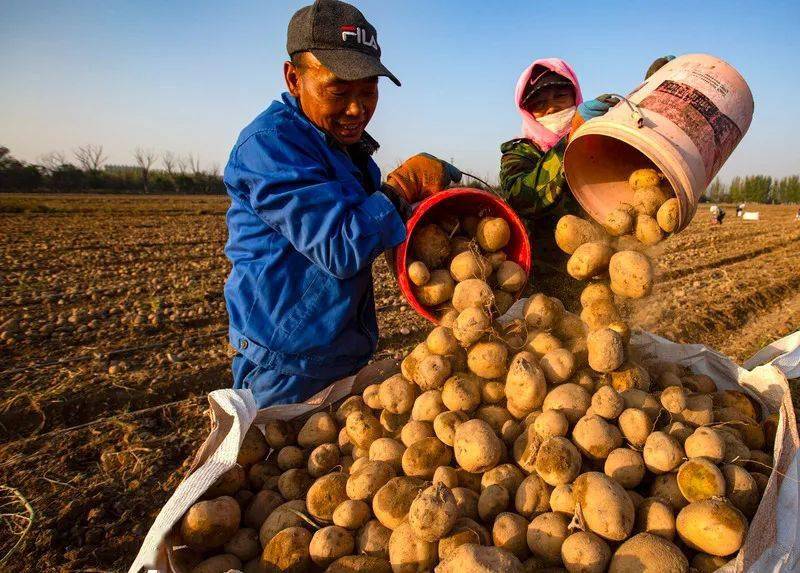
558,122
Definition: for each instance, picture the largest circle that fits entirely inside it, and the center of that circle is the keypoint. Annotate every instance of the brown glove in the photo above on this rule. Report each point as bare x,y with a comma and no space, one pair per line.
421,176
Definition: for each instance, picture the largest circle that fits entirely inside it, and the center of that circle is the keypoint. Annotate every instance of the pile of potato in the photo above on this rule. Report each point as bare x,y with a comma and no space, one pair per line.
544,444
448,256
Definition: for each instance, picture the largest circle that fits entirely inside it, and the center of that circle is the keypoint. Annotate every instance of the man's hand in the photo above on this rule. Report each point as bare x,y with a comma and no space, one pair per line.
591,109
421,176
657,65
399,202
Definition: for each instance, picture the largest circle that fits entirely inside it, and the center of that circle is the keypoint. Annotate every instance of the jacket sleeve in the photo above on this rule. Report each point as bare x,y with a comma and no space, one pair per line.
292,192
531,181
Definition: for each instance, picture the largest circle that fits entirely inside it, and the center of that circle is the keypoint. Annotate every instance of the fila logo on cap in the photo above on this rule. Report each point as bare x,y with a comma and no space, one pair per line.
359,35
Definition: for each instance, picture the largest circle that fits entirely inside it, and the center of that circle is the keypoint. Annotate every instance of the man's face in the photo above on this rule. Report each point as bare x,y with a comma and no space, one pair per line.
551,99
339,107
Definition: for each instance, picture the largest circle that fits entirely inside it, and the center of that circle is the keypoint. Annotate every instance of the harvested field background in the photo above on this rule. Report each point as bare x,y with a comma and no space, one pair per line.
126,291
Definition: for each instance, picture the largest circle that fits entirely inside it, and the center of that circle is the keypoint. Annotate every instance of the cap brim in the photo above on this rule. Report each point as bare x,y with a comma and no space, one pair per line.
351,65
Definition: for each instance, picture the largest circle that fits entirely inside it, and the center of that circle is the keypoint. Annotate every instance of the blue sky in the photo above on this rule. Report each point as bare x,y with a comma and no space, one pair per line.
186,76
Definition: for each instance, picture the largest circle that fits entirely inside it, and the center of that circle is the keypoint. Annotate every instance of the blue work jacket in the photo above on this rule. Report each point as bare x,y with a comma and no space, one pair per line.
304,226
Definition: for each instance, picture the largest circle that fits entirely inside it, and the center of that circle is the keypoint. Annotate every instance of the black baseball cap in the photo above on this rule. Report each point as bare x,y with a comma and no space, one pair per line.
340,37
544,79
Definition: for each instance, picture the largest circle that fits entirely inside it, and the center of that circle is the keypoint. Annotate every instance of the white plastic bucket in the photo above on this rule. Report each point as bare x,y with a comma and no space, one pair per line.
686,119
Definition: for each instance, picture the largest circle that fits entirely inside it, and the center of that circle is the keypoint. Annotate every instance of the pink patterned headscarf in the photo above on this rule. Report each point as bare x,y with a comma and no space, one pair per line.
532,129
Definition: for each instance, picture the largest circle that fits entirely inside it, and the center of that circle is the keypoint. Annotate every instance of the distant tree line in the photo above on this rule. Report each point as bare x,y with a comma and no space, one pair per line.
756,189
87,170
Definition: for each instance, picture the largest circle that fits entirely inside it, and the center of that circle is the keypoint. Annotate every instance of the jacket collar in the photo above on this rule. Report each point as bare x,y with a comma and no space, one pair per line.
366,144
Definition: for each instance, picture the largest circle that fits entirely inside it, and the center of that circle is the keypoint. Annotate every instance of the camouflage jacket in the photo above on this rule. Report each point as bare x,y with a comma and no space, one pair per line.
531,181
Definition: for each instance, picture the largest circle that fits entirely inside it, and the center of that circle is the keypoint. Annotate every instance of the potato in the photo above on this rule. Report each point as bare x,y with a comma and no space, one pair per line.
253,448
759,463
533,496
283,516
493,233
647,552
471,558
363,429
493,392
477,448
210,524
540,342
735,451
607,403
647,200
569,399
625,466
448,317
423,457
751,432
558,462
288,550
507,475
606,350
706,443
631,274
262,504
673,399
558,365
595,437
488,359
561,500
373,539
668,214
713,526
599,314
277,434
492,501
427,406
244,544
445,424
471,324
218,564
387,450
391,503
543,312
647,230
433,513
472,292
326,493
365,482
359,564
352,514
642,178
371,394
550,424
700,383
294,483
525,385
460,245
705,563
741,489
391,423
635,425
630,375
665,486
323,459
526,448
618,222
228,483
466,501
662,453
635,398
510,277
352,404
572,232
431,372
320,428
655,516
698,410
700,479
589,260
585,552
509,532
437,290
430,245
546,534
408,554
418,273
470,265
735,399
441,341
330,543
607,509
415,431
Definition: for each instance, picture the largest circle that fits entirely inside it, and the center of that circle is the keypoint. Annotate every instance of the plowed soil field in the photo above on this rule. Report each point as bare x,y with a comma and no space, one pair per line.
113,328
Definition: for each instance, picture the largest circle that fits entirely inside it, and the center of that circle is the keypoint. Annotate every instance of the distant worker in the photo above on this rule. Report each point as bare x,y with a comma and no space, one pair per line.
717,216
309,215
797,215
740,209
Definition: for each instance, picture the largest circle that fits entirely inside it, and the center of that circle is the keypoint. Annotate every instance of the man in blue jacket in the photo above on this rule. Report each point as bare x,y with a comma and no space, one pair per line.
309,215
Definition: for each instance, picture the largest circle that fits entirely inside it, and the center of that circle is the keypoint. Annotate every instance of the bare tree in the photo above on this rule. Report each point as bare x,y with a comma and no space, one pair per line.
170,162
90,157
193,164
53,160
145,158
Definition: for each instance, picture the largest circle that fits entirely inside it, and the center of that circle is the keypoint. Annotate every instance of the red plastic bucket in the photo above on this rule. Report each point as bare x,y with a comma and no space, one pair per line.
460,201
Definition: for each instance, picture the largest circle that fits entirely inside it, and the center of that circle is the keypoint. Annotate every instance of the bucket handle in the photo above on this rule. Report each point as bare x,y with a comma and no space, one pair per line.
634,110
